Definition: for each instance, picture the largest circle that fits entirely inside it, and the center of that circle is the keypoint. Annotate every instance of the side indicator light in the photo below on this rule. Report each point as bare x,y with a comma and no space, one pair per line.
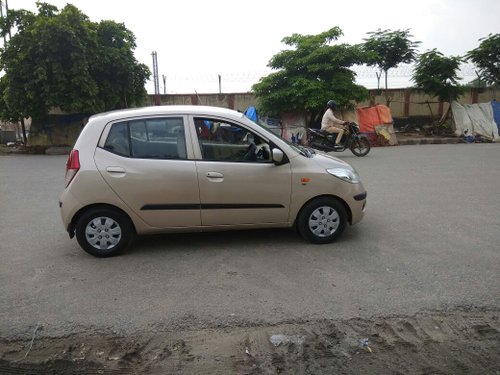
305,180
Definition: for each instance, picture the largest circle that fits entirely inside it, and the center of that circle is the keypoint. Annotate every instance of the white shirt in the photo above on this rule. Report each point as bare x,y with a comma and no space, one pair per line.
329,120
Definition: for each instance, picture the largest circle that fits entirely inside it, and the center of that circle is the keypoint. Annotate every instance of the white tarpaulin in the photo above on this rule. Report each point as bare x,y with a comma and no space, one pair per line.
478,118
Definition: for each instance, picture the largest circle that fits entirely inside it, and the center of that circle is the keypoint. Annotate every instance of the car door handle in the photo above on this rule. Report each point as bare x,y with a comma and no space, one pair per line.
215,175
115,170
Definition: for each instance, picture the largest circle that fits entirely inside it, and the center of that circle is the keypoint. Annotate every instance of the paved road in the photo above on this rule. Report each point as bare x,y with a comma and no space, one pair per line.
430,240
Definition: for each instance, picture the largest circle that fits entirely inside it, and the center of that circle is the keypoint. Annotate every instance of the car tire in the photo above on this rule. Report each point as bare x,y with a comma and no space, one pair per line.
322,220
104,232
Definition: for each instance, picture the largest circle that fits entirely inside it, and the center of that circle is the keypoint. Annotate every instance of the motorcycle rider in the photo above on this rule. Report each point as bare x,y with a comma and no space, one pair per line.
331,124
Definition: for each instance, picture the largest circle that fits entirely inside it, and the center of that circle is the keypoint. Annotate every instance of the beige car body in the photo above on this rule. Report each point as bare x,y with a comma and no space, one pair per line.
161,195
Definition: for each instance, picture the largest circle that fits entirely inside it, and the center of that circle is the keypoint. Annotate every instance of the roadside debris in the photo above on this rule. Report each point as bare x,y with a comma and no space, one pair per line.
365,344
402,344
277,340
247,352
38,327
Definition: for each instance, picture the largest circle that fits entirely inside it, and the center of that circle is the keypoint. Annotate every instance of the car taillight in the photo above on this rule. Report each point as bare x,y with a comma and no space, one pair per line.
72,166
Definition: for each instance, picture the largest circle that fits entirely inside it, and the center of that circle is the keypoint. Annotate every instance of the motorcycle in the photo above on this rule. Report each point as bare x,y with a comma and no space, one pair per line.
351,139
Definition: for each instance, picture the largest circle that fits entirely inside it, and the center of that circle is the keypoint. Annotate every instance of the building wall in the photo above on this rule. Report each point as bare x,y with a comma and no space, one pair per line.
411,102
239,102
63,129
404,102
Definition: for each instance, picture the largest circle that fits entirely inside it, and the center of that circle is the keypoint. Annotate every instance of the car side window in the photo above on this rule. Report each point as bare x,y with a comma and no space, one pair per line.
159,138
118,139
224,141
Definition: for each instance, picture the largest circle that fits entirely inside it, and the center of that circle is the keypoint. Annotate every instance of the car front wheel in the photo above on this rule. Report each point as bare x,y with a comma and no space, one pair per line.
322,220
104,232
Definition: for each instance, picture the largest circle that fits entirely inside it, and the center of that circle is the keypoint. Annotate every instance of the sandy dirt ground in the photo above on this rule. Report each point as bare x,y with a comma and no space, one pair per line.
455,342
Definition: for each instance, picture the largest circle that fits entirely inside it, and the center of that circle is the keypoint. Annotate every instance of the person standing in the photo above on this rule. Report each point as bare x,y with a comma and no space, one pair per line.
331,124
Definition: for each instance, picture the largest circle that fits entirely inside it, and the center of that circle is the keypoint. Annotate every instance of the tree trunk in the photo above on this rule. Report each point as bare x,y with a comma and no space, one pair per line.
430,110
446,115
313,118
379,75
23,128
387,99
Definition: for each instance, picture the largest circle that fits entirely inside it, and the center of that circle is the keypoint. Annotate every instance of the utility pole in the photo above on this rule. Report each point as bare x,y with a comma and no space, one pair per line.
220,84
164,84
7,13
155,78
1,15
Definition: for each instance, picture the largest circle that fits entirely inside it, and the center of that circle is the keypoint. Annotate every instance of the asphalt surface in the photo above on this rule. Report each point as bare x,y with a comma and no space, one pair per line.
430,240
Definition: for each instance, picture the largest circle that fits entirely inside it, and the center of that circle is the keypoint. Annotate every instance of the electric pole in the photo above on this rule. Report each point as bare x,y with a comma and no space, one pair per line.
1,15
155,78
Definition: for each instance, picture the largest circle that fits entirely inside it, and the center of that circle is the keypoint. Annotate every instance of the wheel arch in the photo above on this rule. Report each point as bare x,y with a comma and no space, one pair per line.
81,211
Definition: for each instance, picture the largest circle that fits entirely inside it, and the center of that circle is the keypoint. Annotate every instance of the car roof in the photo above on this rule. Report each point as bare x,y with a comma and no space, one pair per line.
166,110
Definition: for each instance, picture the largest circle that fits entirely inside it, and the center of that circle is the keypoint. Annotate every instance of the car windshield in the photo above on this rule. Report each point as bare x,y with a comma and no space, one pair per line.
303,150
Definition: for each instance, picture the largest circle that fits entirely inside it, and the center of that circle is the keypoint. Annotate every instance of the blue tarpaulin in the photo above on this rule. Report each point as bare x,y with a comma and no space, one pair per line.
251,113
496,113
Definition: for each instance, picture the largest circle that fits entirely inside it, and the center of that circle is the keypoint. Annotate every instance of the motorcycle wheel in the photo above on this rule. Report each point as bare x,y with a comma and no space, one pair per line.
360,146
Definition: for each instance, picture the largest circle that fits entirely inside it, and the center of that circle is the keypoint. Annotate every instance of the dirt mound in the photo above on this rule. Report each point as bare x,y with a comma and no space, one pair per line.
427,343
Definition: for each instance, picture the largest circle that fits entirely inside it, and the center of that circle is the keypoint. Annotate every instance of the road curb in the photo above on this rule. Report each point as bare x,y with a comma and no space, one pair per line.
429,141
58,151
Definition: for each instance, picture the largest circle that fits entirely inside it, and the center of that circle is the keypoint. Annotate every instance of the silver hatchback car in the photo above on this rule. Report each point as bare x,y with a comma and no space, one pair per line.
194,168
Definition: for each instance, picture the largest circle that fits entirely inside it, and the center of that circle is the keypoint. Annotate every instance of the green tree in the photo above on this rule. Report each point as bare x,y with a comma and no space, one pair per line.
437,75
121,79
310,74
7,113
60,59
487,59
388,49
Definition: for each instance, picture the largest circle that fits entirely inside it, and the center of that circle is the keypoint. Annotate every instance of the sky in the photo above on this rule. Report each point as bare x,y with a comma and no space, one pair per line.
198,40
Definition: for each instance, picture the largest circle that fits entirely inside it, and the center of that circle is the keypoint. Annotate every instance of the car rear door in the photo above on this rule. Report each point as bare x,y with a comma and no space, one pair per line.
145,162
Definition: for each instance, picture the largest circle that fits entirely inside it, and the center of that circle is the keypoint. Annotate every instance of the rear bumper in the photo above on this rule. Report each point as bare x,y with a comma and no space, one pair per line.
68,206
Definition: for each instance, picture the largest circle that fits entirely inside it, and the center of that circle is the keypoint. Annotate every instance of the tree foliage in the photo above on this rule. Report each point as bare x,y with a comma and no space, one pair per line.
388,49
309,74
60,59
437,74
487,59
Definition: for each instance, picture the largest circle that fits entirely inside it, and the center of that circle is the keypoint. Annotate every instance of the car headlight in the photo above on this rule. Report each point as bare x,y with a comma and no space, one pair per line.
345,174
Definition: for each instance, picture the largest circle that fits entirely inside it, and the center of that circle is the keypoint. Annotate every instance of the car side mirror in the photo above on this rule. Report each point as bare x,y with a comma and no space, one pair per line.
277,156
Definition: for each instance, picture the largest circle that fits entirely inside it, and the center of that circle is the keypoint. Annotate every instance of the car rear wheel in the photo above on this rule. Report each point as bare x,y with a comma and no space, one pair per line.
104,232
322,220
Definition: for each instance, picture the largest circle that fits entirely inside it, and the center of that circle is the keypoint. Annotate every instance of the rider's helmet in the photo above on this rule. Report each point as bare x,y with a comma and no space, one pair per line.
332,104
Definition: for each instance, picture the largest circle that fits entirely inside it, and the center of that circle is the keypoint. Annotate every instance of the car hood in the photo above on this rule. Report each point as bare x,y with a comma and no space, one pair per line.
327,161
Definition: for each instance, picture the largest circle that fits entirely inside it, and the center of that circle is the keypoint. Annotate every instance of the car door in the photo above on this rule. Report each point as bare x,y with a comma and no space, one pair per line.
239,183
145,162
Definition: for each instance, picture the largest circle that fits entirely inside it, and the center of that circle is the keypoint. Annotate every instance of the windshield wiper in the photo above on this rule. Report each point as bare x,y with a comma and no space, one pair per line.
306,151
